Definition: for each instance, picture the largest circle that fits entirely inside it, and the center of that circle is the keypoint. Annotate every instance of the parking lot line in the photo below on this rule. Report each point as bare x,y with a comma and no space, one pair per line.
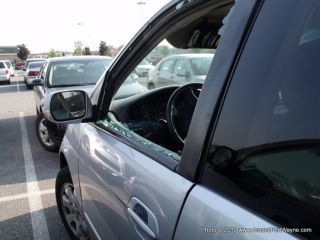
25,195
39,224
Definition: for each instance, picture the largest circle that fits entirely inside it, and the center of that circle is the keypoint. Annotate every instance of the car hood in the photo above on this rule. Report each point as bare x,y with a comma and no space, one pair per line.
146,66
130,90
199,78
87,88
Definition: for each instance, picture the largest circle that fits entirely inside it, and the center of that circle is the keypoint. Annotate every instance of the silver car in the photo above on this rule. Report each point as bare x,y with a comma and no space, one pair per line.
31,72
180,69
4,72
210,160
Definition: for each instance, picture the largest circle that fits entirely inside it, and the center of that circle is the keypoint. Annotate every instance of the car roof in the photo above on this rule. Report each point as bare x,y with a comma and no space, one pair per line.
59,59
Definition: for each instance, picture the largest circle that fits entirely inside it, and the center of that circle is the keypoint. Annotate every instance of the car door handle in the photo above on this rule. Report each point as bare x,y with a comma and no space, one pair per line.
145,221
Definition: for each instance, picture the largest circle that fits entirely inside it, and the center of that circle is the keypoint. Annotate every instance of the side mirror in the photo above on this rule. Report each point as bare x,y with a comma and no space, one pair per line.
183,73
135,76
68,107
36,82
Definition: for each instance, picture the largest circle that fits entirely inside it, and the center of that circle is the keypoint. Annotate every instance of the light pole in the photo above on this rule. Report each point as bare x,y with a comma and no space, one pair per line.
141,3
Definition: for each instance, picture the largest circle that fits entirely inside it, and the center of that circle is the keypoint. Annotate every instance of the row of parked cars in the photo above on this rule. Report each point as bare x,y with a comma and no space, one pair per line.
6,71
235,156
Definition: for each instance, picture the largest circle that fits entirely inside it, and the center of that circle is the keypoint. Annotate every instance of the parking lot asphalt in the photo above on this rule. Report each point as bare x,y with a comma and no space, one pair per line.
27,173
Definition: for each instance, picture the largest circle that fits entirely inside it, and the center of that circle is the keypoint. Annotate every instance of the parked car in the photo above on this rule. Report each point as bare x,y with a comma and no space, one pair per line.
143,68
32,72
10,67
77,72
154,59
180,69
201,161
19,64
4,72
29,60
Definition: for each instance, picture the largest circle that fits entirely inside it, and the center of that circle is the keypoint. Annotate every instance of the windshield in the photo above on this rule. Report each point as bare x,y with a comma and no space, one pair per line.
35,64
201,65
77,72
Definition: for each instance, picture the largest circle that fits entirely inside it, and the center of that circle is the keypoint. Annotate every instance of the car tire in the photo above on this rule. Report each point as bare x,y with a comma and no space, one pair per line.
43,135
29,86
68,206
8,81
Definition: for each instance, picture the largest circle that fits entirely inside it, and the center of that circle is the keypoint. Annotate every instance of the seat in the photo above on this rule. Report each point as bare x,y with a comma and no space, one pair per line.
61,76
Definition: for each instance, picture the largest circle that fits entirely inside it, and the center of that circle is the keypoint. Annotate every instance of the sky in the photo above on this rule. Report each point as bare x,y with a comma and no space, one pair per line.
56,24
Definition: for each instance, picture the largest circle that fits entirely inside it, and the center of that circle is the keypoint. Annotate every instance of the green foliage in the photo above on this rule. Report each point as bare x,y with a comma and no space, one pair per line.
104,50
52,54
23,52
86,51
164,50
78,48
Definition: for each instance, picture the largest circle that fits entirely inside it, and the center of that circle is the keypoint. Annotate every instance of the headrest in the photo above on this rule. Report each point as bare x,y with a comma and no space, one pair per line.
60,72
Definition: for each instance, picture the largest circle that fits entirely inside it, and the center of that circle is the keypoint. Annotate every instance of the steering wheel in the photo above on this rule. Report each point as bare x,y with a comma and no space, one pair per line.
180,109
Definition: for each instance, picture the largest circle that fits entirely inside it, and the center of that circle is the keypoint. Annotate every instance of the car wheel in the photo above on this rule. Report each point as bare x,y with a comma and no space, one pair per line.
29,86
8,81
69,209
43,135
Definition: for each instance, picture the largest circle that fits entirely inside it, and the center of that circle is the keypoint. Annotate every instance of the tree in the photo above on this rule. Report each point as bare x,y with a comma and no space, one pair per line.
87,51
63,54
23,52
164,50
52,54
78,48
104,49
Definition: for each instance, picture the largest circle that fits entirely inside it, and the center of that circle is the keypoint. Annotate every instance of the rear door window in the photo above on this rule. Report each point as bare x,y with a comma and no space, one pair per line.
265,151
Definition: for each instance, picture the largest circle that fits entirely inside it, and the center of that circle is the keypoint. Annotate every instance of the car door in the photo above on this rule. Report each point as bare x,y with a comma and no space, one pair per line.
39,90
259,178
181,73
125,194
165,75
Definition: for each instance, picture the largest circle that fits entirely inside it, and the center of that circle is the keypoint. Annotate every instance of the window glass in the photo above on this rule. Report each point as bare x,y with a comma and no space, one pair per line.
167,66
141,110
179,66
2,65
77,72
265,151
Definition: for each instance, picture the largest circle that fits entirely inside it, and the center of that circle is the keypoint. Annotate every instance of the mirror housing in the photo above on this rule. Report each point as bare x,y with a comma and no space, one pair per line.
36,82
183,73
68,107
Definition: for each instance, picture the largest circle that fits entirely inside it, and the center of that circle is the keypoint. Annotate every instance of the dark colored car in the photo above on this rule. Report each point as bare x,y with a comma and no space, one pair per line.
154,59
237,157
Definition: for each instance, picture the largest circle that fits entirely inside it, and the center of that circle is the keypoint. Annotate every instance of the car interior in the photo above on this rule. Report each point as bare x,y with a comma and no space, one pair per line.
160,118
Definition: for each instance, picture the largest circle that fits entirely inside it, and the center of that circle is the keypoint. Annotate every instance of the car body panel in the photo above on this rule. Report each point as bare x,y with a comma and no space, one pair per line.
109,168
119,169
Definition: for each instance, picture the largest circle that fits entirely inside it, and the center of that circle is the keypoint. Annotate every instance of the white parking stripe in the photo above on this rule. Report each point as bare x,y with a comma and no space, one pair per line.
18,87
25,195
39,224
